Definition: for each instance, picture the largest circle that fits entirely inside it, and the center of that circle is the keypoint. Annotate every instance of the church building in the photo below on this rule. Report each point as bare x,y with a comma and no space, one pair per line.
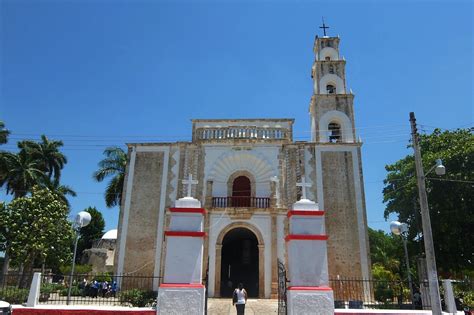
247,173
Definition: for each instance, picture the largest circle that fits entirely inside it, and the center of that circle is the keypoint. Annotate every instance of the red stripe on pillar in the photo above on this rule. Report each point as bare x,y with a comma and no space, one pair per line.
185,233
306,237
45,311
188,210
305,212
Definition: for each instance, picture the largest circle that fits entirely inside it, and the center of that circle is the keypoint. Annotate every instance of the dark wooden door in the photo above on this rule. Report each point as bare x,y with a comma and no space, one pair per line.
241,192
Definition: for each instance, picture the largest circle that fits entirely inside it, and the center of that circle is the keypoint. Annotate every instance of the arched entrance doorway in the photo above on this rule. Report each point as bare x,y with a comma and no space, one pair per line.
239,262
241,192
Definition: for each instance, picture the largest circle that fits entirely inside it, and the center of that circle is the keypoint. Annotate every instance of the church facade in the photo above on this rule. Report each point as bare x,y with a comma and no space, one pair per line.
247,173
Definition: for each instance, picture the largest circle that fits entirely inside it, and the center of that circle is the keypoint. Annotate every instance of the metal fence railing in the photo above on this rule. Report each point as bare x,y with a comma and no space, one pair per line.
380,294
359,293
87,289
138,291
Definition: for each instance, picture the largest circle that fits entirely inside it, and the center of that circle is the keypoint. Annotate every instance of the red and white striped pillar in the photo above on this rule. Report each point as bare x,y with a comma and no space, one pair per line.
182,291
308,291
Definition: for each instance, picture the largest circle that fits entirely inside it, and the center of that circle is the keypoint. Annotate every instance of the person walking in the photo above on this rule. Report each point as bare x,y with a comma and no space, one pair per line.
239,298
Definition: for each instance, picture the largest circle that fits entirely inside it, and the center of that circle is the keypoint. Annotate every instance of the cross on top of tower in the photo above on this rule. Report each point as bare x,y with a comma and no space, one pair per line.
190,182
303,186
324,27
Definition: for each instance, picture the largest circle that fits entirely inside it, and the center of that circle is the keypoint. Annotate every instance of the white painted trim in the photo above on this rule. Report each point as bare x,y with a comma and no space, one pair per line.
335,148
319,177
175,171
153,148
330,78
342,119
328,52
360,216
212,266
161,215
308,169
126,211
267,255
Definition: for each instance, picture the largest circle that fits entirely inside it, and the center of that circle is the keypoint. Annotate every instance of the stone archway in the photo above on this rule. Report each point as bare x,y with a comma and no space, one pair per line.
261,257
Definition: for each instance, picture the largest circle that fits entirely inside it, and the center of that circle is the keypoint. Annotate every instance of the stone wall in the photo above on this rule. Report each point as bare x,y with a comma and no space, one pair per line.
140,248
341,217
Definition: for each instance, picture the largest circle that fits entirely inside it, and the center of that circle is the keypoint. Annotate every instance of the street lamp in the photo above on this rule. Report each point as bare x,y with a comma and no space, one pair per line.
82,219
401,229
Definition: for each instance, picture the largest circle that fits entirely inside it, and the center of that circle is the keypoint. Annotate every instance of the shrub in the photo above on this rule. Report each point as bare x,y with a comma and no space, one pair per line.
75,291
48,288
137,298
103,277
78,269
14,295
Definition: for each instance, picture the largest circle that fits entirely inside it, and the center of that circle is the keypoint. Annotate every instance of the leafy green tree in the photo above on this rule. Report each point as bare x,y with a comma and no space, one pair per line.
91,232
37,163
36,227
385,250
62,190
19,173
113,165
4,133
451,198
47,154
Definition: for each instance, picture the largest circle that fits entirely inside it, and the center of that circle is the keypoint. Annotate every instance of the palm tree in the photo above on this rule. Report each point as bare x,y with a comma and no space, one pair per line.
47,154
19,173
61,190
112,166
3,133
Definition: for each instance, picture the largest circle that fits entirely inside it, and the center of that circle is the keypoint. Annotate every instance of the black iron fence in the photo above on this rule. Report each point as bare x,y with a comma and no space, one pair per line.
138,290
14,288
87,289
379,294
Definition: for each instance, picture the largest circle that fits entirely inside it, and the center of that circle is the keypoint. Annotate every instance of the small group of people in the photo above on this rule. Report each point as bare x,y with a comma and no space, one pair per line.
239,299
96,288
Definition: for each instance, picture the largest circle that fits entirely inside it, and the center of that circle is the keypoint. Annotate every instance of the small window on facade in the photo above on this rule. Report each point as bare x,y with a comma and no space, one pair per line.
331,89
327,58
334,132
328,44
331,69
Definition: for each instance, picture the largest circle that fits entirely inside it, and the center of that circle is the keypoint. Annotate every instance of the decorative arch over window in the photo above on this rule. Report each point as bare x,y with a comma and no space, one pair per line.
232,164
334,80
335,126
328,52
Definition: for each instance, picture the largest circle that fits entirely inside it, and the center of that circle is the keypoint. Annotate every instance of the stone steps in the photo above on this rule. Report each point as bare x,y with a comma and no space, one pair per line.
221,306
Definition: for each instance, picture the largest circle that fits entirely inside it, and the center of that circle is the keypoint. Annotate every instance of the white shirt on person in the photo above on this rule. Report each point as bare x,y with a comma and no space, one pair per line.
240,296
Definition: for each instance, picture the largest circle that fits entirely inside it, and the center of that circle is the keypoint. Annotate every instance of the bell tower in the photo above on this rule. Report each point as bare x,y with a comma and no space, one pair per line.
331,107
338,162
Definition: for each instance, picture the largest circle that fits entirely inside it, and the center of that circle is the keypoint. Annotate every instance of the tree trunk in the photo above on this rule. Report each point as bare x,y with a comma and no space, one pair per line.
27,273
6,263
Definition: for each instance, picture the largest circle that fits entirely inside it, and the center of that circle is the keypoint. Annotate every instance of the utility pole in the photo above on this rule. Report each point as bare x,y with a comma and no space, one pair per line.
426,222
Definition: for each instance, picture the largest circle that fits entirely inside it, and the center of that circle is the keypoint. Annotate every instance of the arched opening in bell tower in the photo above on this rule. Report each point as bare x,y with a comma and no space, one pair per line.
331,88
239,262
334,132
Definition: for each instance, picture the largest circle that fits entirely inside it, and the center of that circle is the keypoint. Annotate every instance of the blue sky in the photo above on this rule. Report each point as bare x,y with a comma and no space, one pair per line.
100,73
